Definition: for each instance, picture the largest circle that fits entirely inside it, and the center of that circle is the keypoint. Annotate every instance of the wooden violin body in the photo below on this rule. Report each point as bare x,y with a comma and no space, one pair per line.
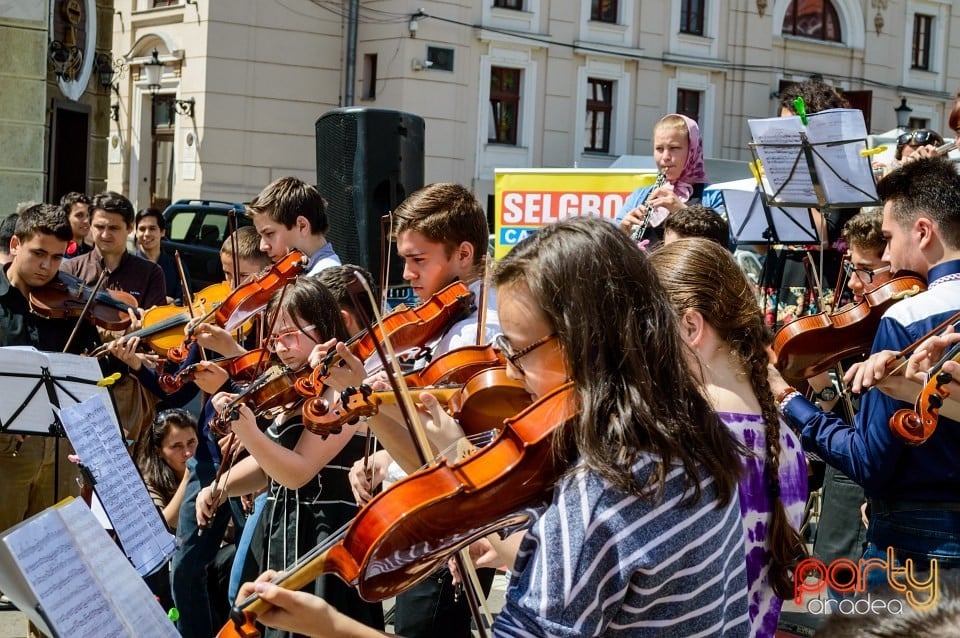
245,301
815,343
272,390
488,397
409,530
67,296
407,328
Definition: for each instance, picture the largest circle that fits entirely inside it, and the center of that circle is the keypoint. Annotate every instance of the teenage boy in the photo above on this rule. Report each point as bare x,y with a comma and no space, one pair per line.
150,228
289,213
77,207
442,236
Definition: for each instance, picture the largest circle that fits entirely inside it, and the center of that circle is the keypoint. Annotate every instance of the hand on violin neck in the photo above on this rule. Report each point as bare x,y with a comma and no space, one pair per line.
348,372
442,430
136,319
929,353
876,370
365,476
210,377
213,337
125,349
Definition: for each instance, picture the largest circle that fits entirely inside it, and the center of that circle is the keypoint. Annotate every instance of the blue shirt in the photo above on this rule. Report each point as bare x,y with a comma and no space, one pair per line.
868,452
324,258
711,199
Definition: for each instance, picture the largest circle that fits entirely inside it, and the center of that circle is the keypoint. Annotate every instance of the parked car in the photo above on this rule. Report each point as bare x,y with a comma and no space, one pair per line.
197,229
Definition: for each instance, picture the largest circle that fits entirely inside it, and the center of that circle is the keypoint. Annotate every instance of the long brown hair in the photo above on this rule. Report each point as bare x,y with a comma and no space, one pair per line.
620,339
700,275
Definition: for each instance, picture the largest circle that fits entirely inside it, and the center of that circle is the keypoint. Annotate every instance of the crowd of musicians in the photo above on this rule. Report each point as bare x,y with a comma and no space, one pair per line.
654,475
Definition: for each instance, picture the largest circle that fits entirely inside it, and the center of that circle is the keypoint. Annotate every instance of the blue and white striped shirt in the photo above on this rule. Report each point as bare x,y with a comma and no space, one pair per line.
601,562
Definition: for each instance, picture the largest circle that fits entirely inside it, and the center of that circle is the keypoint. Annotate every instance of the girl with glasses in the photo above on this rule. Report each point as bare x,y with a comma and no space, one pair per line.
642,535
306,475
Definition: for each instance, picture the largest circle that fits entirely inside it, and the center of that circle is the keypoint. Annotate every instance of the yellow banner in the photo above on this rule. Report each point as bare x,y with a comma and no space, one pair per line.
526,199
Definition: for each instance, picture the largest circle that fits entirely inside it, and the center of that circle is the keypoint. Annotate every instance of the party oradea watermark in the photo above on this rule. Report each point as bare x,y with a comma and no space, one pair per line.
845,576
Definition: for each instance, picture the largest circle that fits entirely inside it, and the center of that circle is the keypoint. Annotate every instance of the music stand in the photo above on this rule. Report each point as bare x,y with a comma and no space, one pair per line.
753,221
47,382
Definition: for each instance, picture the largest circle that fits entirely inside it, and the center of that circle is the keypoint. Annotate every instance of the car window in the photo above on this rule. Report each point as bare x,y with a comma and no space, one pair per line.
180,224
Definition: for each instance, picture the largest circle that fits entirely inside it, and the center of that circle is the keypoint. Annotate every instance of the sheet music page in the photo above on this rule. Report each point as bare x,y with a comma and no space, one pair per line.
123,586
50,560
20,369
90,425
785,168
845,160
76,376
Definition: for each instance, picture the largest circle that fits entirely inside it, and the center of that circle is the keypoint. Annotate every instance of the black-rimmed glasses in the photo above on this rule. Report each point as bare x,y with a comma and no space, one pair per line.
513,356
864,274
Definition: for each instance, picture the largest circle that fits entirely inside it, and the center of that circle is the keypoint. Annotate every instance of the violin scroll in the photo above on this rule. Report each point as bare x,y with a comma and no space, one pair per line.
915,426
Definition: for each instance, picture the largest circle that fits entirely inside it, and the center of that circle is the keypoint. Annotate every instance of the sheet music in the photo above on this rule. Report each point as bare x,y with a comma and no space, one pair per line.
91,428
750,222
836,138
59,578
20,369
125,589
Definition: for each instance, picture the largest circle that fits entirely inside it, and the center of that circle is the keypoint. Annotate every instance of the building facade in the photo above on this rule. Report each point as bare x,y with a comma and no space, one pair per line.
500,84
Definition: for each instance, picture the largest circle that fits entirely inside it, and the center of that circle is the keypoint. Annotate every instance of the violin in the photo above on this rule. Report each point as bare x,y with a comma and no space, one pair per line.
67,296
915,426
456,366
266,395
489,396
162,326
410,529
407,328
242,367
247,300
815,343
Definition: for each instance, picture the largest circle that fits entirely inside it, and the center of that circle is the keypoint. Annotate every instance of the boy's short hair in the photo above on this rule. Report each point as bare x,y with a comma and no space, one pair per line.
45,219
865,230
113,202
699,221
248,246
336,279
7,228
445,213
71,198
151,212
286,198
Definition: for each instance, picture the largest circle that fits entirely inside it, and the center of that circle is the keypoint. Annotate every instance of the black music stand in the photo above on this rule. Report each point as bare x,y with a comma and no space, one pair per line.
754,221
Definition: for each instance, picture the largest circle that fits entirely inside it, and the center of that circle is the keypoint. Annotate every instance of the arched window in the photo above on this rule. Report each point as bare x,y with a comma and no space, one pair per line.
812,19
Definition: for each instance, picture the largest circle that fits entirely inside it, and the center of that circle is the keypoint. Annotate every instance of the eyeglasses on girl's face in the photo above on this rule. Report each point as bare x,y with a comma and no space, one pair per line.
864,274
289,338
513,356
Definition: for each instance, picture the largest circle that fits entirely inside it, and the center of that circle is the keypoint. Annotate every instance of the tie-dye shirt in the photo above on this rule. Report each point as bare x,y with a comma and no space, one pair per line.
749,429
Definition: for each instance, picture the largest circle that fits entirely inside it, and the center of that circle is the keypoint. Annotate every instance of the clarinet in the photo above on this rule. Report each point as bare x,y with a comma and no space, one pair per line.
640,229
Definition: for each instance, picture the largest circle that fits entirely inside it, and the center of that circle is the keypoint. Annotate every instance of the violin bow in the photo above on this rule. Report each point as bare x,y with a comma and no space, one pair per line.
187,294
386,239
422,444
484,297
86,307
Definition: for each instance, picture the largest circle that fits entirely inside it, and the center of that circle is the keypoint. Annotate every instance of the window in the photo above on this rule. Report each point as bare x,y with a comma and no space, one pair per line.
688,103
369,76
604,10
691,17
509,4
441,58
599,110
815,19
504,105
165,3
918,122
920,56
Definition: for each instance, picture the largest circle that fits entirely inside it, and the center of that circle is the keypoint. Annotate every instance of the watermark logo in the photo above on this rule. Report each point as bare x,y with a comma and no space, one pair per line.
845,576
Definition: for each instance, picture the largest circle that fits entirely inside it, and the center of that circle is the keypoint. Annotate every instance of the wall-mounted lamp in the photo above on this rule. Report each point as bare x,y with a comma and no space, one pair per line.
115,111
154,70
880,6
66,59
417,64
185,107
878,23
413,26
105,69
761,7
903,113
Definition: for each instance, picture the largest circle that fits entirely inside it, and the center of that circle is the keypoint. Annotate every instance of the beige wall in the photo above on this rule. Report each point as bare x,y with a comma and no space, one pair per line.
262,71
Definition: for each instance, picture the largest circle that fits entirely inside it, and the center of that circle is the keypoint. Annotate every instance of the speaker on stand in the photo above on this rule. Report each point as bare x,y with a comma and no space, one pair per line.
368,161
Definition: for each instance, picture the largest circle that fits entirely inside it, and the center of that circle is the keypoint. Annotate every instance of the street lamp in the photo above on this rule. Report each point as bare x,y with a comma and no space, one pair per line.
903,113
154,70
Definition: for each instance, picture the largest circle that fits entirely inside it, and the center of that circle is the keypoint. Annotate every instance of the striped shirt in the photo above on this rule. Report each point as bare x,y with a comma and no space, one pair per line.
601,562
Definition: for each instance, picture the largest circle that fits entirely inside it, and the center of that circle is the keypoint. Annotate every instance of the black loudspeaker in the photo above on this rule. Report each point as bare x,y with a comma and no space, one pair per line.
368,161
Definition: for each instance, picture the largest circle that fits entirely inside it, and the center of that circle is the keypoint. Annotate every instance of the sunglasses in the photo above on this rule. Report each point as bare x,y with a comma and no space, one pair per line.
920,137
513,356
864,274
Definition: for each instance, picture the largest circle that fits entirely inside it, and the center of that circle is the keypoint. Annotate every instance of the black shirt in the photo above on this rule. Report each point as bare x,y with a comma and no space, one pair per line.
19,326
